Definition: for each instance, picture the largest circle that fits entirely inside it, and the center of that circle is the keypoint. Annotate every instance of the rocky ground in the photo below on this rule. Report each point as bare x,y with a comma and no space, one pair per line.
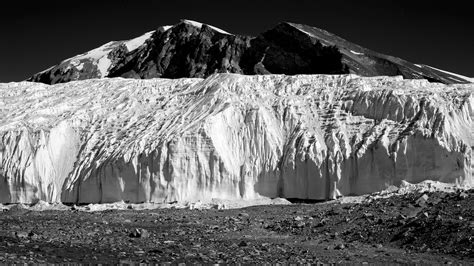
431,227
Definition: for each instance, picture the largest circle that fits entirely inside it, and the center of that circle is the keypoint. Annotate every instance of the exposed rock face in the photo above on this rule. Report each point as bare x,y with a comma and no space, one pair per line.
230,136
187,49
192,49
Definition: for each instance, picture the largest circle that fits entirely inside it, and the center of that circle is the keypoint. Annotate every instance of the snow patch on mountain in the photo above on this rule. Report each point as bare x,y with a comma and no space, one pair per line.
305,32
46,70
133,44
304,29
450,73
98,56
199,25
356,53
166,27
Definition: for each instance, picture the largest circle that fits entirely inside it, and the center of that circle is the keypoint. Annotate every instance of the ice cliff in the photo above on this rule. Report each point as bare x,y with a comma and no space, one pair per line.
230,136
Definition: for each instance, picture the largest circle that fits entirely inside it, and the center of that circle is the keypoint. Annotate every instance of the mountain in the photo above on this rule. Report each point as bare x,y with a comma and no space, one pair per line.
230,136
195,50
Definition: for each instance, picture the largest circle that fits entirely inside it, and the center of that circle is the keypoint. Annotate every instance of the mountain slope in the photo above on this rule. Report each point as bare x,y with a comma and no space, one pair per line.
365,62
230,136
193,49
461,78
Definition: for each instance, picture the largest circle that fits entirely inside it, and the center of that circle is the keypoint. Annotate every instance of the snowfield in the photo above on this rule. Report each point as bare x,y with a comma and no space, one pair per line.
230,137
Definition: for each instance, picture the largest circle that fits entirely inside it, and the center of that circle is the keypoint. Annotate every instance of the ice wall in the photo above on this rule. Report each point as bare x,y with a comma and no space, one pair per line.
230,136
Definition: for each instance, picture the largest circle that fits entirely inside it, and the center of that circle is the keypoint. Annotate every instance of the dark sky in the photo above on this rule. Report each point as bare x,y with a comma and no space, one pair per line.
38,34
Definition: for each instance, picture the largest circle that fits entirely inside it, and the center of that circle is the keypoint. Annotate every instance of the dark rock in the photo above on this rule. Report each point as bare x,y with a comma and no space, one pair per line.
242,244
33,236
321,223
421,201
401,217
412,211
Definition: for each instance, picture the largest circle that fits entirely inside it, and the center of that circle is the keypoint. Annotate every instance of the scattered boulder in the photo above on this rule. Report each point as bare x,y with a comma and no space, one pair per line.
378,246
368,215
139,233
244,215
33,236
463,195
299,218
242,244
300,224
21,234
421,201
139,252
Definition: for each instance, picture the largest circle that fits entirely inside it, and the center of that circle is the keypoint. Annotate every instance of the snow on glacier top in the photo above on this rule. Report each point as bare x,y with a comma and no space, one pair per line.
106,88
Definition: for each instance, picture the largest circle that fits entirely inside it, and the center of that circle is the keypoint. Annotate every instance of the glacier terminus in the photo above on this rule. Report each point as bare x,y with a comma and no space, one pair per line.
230,136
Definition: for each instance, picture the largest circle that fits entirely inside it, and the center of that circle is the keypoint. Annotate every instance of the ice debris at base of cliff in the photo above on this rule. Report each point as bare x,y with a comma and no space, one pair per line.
219,204
406,188
230,137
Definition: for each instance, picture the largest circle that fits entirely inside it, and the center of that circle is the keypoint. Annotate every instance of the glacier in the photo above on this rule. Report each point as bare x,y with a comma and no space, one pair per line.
230,136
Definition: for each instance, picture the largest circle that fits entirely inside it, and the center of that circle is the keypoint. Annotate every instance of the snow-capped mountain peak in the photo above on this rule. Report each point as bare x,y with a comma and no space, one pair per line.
184,50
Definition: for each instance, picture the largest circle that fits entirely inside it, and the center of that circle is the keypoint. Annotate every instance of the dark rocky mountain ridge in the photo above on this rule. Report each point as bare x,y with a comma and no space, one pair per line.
192,49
